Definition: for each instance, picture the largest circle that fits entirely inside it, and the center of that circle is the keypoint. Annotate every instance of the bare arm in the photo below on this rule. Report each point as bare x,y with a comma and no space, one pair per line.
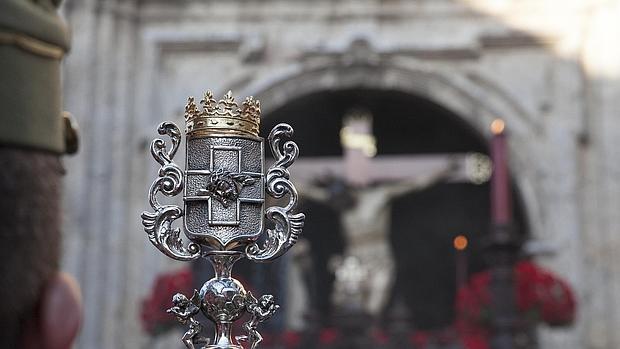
184,312
311,191
421,182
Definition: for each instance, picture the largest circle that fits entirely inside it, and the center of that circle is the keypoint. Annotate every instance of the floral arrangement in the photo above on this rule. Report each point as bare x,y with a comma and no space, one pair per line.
540,295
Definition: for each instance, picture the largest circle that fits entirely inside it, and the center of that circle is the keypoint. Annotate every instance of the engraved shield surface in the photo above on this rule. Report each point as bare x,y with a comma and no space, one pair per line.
224,192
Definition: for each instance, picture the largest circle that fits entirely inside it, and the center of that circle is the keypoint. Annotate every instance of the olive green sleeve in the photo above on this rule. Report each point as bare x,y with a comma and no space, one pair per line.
33,39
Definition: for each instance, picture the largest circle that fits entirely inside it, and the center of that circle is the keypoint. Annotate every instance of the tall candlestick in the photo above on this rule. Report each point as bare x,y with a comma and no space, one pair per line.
503,245
501,208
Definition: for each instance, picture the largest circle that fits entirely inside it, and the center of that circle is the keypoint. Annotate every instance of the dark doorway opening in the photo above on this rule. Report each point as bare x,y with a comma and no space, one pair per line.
424,223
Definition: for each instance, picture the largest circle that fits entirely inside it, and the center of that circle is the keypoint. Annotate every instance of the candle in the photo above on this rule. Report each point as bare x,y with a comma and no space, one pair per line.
501,208
460,246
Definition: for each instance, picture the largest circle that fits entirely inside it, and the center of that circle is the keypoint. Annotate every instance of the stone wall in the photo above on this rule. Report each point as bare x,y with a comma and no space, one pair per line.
550,70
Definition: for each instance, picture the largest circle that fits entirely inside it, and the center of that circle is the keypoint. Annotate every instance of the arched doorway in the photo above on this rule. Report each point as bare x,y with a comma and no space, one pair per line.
424,223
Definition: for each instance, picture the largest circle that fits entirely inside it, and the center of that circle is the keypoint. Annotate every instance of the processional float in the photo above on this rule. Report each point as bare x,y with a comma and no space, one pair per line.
223,186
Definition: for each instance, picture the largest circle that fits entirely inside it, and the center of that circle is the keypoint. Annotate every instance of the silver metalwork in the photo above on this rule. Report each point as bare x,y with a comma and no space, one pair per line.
225,186
235,209
223,189
158,224
260,310
185,310
288,226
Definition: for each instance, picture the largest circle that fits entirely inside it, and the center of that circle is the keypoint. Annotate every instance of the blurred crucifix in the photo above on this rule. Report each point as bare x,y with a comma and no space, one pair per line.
364,197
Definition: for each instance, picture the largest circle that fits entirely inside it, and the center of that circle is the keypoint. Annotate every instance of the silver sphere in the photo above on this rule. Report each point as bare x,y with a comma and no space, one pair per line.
223,299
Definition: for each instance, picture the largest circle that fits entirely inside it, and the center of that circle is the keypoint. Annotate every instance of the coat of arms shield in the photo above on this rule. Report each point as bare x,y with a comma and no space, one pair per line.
224,191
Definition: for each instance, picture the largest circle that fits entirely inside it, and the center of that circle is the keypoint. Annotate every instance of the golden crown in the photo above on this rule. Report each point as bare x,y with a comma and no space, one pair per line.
222,117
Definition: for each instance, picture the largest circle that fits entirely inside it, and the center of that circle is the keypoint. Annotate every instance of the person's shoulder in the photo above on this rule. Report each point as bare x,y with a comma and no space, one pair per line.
38,20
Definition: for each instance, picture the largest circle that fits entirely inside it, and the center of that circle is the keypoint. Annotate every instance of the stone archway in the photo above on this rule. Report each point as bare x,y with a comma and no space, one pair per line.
284,90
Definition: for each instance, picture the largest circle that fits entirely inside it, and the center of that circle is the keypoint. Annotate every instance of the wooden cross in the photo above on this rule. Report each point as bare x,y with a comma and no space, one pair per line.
365,218
361,167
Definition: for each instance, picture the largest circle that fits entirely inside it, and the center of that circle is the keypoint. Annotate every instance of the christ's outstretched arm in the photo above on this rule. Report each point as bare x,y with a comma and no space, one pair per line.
420,182
311,191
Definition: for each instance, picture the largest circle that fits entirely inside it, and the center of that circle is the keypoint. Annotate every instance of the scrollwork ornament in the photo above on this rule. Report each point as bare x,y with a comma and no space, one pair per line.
288,225
158,224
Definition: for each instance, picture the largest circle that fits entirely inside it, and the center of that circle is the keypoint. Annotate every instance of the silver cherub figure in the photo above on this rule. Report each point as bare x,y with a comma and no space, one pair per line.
185,310
260,310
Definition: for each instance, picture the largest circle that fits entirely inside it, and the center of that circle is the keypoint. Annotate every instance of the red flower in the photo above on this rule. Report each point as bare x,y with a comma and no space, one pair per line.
540,296
153,314
328,336
380,337
420,339
542,292
475,341
472,301
291,339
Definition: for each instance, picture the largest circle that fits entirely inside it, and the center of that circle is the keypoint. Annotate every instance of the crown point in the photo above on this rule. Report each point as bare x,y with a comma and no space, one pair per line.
208,102
190,109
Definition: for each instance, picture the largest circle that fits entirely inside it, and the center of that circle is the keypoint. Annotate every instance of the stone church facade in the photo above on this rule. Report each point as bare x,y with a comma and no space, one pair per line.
550,70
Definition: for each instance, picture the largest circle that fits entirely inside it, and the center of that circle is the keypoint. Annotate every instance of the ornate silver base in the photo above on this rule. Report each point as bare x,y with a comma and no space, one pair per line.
223,300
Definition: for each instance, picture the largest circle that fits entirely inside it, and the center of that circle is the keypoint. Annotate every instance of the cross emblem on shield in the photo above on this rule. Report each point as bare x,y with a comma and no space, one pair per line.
225,187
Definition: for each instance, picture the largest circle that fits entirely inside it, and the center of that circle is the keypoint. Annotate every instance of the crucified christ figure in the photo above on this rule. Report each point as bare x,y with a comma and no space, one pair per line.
365,213
365,207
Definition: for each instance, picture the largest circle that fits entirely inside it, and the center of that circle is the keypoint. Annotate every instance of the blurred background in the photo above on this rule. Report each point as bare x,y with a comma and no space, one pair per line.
418,83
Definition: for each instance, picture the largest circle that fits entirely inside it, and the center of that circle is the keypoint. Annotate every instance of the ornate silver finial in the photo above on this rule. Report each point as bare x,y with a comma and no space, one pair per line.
223,185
